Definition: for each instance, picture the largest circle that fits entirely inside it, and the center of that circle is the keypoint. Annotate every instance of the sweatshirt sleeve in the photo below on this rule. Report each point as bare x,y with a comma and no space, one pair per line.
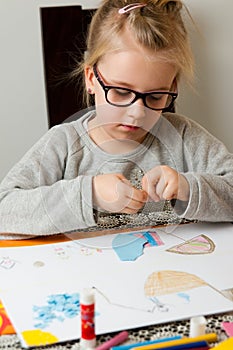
209,171
36,198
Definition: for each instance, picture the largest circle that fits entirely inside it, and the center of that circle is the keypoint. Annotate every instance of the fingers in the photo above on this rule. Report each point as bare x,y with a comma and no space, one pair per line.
149,185
114,193
167,188
135,198
165,183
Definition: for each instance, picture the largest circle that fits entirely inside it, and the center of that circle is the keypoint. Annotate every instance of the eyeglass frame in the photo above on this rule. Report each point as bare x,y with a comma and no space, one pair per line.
138,95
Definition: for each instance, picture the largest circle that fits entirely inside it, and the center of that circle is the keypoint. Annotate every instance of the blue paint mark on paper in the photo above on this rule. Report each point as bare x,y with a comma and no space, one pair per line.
59,307
184,296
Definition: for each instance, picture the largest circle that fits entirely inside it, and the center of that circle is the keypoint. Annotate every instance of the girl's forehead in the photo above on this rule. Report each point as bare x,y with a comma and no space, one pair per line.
131,59
126,46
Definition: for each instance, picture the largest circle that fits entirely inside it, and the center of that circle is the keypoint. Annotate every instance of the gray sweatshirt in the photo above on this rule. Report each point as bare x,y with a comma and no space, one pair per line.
50,189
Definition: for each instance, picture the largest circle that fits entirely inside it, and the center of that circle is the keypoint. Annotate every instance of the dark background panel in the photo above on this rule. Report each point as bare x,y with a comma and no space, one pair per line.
63,35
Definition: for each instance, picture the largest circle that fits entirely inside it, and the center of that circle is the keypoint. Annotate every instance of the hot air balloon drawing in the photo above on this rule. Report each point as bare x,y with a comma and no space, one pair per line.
165,282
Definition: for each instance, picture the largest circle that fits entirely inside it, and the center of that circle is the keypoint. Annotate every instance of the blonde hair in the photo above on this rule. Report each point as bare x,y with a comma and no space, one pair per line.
158,26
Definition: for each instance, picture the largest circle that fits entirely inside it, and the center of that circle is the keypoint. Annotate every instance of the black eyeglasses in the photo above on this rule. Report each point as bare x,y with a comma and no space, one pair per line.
123,97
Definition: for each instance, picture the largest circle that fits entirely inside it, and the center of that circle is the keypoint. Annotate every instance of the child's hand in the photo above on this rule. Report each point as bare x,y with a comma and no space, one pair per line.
165,183
114,193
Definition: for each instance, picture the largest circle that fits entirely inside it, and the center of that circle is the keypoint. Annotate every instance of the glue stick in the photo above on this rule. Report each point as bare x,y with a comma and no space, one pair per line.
87,309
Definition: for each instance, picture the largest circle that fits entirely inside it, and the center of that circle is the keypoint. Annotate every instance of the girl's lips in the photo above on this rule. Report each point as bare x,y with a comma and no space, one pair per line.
130,127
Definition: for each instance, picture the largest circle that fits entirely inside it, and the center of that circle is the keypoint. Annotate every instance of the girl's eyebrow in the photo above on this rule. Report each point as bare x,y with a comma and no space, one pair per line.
129,86
119,83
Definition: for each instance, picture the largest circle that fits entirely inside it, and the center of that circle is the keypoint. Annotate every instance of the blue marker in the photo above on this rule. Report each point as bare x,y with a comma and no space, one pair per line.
192,346
130,346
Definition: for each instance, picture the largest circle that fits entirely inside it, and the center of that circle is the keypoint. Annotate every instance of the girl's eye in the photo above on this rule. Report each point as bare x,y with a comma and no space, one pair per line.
156,97
116,95
122,93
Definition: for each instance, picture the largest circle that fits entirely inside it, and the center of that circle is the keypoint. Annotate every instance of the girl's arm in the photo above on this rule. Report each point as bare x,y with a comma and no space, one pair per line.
37,198
209,172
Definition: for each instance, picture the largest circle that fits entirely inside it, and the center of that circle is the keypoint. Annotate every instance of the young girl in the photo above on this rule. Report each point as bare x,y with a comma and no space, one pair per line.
129,160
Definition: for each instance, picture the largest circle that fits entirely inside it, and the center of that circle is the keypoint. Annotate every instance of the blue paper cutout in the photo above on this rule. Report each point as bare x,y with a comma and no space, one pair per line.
128,247
150,239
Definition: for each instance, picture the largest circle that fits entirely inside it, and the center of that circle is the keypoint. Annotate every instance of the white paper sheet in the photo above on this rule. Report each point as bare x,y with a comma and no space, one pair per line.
163,282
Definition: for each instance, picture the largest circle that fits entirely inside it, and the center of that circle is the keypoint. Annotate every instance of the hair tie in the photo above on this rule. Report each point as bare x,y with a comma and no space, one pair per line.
131,7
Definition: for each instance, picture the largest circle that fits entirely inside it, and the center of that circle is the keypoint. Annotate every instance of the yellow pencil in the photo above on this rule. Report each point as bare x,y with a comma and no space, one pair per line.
209,337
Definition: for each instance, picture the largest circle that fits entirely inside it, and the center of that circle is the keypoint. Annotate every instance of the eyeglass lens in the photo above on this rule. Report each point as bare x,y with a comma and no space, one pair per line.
122,97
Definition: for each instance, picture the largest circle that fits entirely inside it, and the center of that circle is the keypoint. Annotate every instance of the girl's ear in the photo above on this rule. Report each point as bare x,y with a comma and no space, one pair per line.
174,86
89,79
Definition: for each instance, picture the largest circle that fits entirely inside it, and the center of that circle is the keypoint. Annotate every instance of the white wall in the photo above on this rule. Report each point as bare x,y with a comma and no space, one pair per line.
23,110
23,113
23,117
211,103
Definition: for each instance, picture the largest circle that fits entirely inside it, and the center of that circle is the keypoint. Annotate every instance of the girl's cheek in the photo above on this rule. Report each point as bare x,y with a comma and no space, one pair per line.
107,113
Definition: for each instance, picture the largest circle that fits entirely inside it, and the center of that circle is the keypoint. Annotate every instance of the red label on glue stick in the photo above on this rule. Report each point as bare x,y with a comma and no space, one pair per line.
87,308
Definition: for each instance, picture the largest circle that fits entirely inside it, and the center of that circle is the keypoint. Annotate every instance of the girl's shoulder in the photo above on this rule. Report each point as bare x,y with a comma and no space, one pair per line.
77,121
191,132
73,128
179,120
64,138
184,124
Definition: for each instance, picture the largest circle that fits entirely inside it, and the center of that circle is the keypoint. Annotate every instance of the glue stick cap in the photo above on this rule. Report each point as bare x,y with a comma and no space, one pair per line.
87,296
197,326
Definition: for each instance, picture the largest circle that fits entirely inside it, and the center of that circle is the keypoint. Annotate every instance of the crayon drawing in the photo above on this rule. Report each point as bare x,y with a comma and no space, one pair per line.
7,263
166,282
197,245
173,286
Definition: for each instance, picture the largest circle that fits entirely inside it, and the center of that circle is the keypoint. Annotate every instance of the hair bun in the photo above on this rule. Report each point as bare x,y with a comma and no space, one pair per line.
170,6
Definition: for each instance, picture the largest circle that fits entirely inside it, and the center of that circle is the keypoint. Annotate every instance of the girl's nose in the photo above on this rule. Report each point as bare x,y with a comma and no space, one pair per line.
137,110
